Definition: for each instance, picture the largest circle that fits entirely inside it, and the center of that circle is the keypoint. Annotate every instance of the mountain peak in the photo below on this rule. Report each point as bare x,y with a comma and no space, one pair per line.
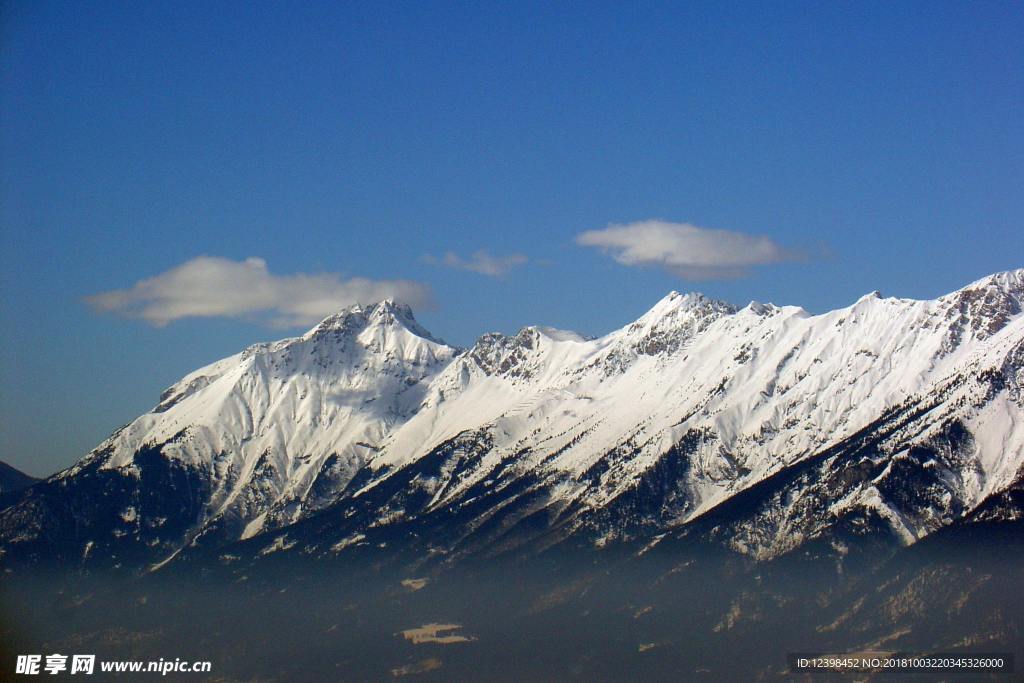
870,296
673,320
674,304
391,312
1010,281
385,314
985,306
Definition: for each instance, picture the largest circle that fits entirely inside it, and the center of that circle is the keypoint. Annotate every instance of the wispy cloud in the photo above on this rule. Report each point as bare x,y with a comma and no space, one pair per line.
686,250
210,286
480,262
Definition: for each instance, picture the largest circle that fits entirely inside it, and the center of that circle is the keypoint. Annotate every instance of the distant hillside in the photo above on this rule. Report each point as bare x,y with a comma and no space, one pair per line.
11,482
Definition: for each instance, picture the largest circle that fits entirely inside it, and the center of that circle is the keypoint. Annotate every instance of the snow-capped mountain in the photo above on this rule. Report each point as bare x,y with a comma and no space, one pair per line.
763,427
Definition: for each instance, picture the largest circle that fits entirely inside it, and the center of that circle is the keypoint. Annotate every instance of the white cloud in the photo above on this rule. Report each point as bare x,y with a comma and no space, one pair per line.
210,286
480,262
686,250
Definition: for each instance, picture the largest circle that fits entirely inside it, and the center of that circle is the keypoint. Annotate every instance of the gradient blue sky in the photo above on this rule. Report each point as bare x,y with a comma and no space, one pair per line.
882,141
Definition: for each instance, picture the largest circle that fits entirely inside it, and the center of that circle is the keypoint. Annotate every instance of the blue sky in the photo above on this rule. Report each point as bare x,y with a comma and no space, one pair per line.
799,153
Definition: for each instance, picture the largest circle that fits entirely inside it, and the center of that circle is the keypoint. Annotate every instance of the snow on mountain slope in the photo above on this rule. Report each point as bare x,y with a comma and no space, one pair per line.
923,464
265,424
371,420
763,385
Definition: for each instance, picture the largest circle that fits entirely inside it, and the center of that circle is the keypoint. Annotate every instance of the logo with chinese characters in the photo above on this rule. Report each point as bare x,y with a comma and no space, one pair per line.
55,664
